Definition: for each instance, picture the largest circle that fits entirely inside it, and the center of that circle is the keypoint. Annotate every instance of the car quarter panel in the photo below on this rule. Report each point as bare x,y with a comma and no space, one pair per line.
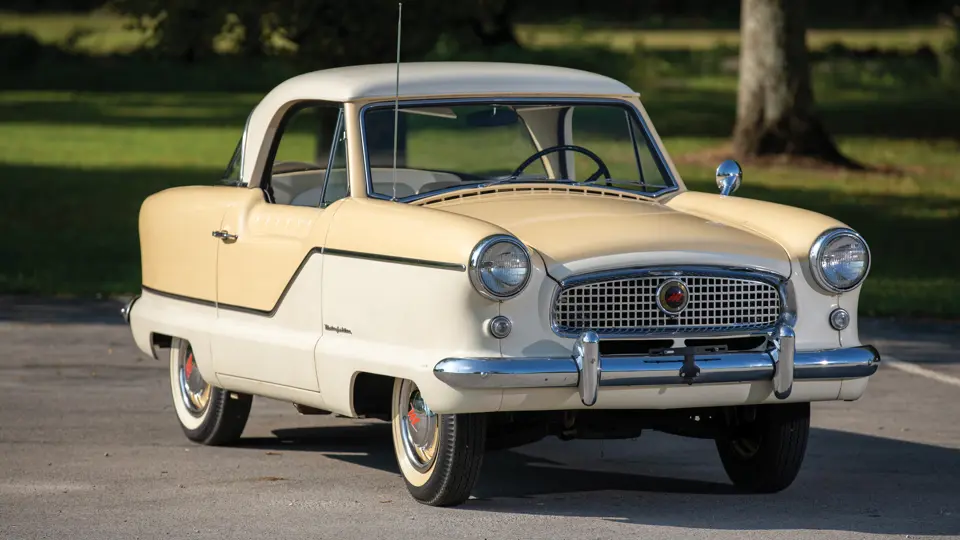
190,320
397,300
177,249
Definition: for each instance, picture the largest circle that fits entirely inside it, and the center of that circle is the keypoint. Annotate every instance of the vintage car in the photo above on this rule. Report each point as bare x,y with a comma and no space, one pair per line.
485,255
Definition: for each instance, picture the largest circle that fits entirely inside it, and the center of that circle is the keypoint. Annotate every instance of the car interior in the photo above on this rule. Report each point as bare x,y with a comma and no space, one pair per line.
304,187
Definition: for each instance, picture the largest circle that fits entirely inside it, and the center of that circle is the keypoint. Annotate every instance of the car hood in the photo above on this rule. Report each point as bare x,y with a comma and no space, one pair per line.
576,233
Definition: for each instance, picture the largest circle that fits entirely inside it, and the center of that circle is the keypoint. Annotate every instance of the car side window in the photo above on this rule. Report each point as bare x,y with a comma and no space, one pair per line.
337,185
304,155
231,176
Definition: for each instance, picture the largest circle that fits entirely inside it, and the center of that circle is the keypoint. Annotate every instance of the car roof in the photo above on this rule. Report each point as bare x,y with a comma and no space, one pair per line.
417,80
425,79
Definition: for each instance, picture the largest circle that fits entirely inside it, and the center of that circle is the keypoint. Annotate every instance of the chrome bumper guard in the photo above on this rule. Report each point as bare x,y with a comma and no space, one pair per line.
586,370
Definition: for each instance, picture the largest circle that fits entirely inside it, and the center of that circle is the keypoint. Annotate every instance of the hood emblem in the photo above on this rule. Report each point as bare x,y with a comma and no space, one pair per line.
672,297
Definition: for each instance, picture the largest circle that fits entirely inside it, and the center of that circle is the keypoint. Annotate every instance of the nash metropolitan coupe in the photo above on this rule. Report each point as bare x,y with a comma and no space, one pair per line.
488,254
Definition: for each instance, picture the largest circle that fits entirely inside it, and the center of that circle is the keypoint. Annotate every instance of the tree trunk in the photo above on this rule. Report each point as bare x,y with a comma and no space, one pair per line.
774,101
252,44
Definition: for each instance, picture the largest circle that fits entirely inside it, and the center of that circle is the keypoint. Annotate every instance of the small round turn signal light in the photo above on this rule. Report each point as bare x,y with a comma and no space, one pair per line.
839,319
500,327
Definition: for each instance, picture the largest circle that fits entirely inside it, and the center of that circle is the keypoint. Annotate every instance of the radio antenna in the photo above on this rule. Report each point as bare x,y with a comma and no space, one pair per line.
396,100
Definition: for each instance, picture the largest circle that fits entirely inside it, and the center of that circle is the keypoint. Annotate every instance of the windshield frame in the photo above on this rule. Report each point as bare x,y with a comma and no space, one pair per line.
663,163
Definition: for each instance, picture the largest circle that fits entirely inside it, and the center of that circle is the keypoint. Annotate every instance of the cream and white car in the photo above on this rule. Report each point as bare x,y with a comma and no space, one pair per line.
488,254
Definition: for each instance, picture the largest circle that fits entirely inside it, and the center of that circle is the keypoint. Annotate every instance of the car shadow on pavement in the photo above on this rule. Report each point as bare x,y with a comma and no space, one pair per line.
849,482
43,310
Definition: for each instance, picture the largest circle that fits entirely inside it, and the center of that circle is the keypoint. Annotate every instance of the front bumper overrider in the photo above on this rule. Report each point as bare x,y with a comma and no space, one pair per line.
586,370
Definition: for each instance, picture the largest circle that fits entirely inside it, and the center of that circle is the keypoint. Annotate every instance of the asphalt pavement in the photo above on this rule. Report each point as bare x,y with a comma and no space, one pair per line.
90,448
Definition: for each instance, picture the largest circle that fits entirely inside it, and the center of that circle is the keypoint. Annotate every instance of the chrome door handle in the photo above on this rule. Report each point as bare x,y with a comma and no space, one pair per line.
224,235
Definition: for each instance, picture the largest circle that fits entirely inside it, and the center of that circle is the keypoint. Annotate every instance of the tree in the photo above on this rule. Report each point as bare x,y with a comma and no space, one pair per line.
492,21
181,29
775,108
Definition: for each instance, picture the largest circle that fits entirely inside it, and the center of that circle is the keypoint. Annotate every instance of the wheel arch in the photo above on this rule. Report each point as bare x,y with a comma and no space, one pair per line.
370,395
159,341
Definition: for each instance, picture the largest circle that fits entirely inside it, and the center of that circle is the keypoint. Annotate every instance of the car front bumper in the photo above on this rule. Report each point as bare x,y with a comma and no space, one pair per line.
587,371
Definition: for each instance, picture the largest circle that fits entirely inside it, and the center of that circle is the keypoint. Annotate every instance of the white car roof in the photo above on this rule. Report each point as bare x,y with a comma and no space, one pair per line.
446,78
418,79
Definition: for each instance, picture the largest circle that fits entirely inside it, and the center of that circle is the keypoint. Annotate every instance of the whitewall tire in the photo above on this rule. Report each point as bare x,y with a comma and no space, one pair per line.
439,454
207,414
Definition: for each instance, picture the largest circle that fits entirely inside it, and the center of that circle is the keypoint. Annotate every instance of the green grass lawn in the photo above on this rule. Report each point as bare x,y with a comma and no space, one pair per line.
548,36
75,166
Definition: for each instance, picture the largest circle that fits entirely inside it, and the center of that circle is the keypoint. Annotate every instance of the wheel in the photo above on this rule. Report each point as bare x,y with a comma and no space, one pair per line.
207,414
764,456
439,454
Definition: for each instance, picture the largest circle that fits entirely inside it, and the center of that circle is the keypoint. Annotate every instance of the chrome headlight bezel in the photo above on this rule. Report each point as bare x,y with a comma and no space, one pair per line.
816,253
476,258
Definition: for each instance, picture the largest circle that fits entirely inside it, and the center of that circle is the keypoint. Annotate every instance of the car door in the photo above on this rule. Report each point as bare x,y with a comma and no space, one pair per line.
269,260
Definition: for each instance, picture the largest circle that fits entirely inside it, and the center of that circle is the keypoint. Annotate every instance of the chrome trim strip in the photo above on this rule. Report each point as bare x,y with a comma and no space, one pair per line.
125,310
562,372
765,276
243,149
175,296
523,100
816,251
393,259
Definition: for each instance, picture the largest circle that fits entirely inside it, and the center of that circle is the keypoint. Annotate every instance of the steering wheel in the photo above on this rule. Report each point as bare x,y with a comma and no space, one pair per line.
602,169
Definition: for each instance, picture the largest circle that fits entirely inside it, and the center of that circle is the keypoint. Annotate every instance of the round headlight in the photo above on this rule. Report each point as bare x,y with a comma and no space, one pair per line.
839,260
499,267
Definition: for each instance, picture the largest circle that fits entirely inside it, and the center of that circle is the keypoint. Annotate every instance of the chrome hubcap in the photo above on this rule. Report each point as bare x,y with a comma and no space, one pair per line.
418,429
194,391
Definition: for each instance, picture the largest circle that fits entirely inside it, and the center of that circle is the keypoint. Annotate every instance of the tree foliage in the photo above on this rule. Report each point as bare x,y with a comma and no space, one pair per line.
324,33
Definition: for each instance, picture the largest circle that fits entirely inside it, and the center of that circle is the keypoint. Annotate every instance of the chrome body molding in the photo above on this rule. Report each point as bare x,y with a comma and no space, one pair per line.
588,371
779,283
125,310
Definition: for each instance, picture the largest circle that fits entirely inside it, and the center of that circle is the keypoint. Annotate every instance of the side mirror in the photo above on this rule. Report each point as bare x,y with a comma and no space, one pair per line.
729,176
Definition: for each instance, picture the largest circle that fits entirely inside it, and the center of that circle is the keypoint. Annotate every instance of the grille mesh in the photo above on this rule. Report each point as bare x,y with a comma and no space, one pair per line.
629,305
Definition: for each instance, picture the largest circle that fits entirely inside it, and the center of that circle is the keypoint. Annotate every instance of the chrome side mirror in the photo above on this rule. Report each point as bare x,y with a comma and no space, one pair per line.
729,176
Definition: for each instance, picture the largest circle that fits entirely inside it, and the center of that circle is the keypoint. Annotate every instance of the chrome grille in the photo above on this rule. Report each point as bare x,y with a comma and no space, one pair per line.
627,304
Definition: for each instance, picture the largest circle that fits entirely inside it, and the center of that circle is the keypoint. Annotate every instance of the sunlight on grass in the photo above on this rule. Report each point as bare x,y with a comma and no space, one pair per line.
96,33
550,36
116,147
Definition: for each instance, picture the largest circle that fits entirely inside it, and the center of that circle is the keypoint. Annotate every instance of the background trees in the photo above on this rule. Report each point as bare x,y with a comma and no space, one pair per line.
775,113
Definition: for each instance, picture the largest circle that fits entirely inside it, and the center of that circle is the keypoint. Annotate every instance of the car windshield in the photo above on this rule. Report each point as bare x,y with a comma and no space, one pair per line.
446,146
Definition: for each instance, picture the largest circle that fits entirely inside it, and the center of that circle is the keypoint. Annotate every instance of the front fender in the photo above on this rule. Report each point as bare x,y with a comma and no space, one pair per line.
795,229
